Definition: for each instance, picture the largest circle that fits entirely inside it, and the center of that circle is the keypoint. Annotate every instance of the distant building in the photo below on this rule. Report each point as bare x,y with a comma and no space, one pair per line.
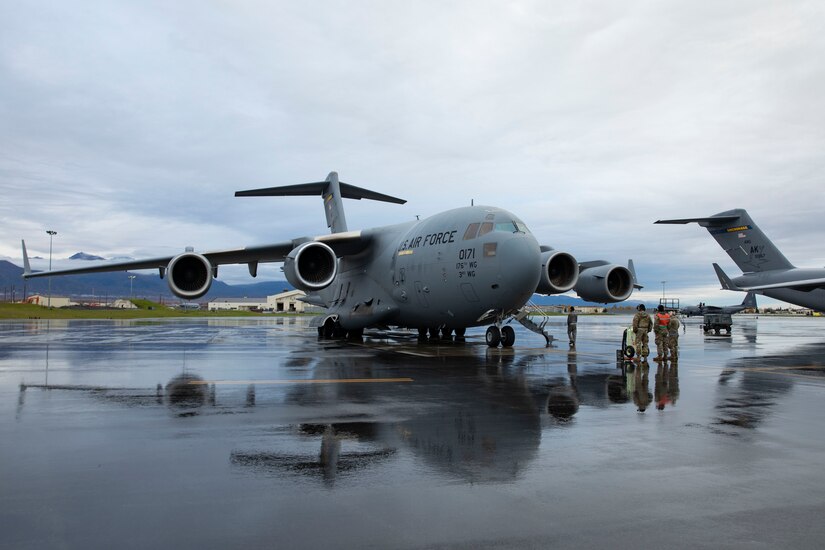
285,302
123,304
237,304
56,301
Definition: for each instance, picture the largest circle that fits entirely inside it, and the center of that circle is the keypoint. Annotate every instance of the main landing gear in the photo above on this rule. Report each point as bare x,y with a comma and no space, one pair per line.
505,336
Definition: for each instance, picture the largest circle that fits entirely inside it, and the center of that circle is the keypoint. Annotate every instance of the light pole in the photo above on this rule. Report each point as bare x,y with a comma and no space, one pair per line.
663,290
131,280
51,236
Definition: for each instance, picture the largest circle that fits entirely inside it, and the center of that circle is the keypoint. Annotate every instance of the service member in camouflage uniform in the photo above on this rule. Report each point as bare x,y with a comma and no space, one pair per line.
642,324
673,337
660,320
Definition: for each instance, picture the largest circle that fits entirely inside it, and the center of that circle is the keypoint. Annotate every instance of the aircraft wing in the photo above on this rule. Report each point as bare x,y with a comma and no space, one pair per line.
342,244
804,285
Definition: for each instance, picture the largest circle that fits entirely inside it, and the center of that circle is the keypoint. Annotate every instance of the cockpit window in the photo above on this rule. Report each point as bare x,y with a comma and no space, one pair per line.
521,227
486,227
472,229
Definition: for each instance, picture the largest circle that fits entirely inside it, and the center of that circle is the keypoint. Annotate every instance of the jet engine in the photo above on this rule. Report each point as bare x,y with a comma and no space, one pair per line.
311,266
189,275
559,272
605,283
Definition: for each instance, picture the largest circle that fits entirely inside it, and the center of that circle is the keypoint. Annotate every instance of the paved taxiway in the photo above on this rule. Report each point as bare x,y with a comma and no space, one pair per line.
252,433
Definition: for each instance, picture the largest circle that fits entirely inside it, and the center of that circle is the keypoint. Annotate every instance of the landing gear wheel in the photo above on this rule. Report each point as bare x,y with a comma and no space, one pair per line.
329,328
493,336
459,332
508,336
446,333
629,352
422,333
434,333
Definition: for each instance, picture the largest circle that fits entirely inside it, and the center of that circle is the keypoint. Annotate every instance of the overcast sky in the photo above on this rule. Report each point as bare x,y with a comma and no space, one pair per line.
127,126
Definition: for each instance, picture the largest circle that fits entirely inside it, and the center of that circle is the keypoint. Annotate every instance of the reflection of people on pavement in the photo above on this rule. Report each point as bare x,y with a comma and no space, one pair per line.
563,401
641,395
660,387
673,382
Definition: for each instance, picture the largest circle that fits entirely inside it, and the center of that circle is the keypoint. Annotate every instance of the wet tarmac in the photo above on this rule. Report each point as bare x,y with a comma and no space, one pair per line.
253,433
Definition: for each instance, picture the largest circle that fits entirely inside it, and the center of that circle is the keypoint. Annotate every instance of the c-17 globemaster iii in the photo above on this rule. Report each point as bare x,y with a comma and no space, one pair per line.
466,267
765,269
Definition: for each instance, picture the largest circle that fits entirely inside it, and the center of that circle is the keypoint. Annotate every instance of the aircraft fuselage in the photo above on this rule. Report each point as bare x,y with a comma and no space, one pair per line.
458,268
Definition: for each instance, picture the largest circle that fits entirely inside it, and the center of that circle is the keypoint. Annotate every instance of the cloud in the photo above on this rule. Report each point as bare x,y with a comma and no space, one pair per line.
127,126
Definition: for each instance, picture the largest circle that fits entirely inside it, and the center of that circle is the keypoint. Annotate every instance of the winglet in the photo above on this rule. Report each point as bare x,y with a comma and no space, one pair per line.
632,270
27,269
724,280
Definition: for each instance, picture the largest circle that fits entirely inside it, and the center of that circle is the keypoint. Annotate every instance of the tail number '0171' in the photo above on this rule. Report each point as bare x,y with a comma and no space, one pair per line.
467,254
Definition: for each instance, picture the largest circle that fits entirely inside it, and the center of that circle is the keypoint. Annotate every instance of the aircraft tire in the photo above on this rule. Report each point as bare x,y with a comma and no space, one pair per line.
459,332
508,336
493,336
329,328
629,352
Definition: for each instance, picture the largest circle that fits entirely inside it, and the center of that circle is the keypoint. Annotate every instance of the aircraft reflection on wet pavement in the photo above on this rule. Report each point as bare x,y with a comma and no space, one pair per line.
749,388
470,422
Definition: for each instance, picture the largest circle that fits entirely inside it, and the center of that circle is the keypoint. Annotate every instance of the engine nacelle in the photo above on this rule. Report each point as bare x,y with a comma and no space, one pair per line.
189,275
311,266
559,272
605,284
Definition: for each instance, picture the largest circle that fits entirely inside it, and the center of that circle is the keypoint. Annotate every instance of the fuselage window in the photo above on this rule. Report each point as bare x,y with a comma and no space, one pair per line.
490,249
486,227
472,229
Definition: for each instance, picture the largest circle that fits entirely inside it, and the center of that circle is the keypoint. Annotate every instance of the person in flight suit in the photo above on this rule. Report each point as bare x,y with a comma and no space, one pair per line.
572,319
661,321
673,337
642,324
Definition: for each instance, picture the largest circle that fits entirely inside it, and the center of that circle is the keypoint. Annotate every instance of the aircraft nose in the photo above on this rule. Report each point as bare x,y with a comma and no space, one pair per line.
520,263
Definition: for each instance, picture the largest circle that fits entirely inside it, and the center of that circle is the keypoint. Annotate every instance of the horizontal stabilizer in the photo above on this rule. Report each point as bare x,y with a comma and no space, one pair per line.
713,220
318,188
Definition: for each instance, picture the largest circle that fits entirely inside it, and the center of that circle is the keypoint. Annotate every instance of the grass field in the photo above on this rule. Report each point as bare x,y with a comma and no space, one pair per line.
146,309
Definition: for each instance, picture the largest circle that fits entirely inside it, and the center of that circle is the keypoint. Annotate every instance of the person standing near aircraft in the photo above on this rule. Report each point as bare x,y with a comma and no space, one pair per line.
641,326
662,320
572,320
673,338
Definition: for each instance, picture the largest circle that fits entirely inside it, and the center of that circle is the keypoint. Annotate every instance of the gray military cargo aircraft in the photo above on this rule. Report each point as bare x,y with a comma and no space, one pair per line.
765,269
748,303
466,267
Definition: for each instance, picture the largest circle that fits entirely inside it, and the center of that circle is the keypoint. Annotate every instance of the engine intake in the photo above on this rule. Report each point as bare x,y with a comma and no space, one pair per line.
311,266
605,284
189,275
559,272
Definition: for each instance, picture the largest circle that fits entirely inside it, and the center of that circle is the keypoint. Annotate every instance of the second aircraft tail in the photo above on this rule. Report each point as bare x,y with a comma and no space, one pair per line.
742,239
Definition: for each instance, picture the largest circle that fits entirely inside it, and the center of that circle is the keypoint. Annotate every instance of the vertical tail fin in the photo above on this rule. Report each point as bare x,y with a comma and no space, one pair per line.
331,190
750,301
742,239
